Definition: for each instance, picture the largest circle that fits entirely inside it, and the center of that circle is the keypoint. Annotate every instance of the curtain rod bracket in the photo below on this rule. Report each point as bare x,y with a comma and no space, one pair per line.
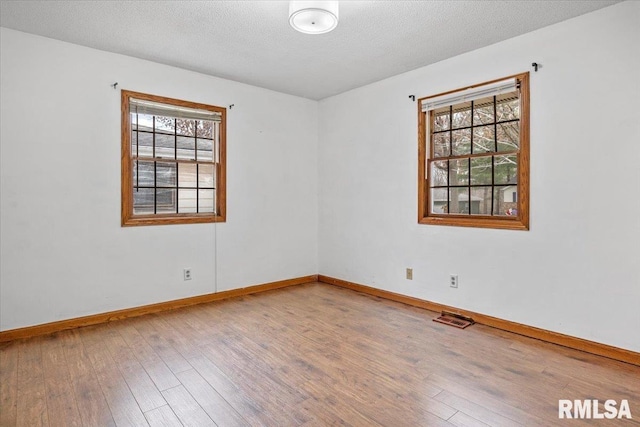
114,85
412,97
535,66
231,106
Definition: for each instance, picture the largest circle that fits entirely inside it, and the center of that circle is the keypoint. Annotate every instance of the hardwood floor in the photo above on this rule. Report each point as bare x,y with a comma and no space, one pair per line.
310,355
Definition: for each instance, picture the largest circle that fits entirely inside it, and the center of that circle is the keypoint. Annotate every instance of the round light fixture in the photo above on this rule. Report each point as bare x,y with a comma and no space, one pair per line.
313,17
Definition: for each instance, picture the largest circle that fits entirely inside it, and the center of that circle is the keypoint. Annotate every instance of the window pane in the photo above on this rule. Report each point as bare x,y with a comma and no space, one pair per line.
438,200
166,200
439,173
145,122
459,172
186,148
481,171
483,111
165,124
133,119
187,202
508,136
441,144
484,139
481,200
143,175
216,150
205,200
508,106
165,146
166,174
461,142
205,129
441,119
143,200
205,149
187,175
134,143
205,176
459,200
461,115
505,200
145,144
185,127
506,169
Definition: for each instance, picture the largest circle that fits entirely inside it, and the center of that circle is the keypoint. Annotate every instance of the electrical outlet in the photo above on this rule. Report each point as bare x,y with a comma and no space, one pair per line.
409,273
187,273
453,281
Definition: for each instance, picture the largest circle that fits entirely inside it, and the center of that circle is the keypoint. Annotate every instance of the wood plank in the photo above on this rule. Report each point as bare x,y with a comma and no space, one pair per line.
251,410
92,405
182,337
162,417
210,400
602,394
263,350
329,406
463,393
32,395
186,408
123,405
159,372
476,411
157,334
142,387
8,384
279,402
460,419
62,407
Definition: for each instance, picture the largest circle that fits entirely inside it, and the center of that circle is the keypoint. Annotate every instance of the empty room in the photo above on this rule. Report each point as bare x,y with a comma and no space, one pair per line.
319,213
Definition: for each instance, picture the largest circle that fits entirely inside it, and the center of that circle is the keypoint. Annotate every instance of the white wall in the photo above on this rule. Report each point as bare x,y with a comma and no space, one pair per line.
577,271
63,252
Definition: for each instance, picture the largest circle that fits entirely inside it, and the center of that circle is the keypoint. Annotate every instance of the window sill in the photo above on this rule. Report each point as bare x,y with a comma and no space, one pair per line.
141,220
477,222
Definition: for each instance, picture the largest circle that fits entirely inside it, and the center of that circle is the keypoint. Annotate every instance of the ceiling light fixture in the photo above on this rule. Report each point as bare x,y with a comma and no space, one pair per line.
313,17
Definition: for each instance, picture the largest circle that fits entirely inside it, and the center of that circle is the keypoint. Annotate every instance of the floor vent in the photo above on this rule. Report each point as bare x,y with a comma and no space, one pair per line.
455,320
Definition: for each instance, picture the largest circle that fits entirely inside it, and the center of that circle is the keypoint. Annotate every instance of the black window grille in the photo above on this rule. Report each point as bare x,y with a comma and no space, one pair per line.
474,156
174,164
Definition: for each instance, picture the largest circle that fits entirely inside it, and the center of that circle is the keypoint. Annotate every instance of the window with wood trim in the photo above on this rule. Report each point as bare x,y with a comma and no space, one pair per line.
474,156
173,161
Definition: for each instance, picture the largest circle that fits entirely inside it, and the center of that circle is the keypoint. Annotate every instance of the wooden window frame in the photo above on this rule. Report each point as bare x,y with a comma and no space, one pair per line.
517,222
127,216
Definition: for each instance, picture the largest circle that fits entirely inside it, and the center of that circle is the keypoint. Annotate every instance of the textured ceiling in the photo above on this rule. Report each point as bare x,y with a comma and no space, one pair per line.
251,41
